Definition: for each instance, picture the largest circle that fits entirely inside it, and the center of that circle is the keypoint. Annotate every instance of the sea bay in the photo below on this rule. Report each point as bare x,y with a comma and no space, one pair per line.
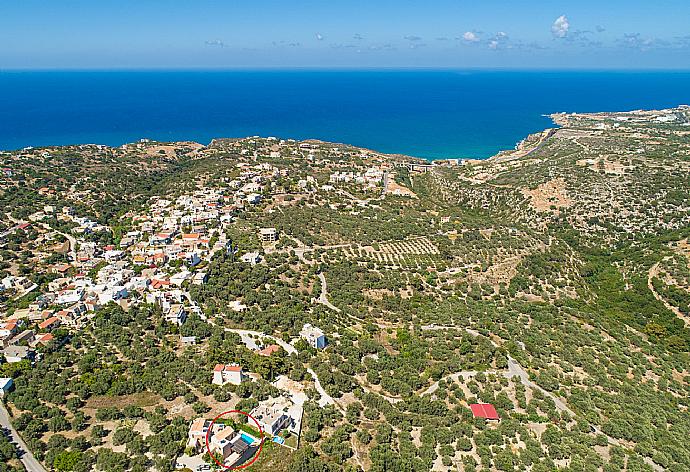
426,113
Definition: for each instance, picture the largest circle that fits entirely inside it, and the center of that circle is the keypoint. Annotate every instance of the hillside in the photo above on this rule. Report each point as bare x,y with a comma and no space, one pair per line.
551,281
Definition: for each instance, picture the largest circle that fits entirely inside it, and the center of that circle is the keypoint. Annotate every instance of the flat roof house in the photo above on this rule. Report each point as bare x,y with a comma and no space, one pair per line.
252,258
277,414
176,314
17,353
314,336
268,235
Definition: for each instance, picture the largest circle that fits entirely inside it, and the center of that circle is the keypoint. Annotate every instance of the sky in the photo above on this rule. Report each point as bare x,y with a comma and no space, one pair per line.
511,34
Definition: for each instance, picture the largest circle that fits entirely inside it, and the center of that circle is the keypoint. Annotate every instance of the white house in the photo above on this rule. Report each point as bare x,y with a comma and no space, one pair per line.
314,336
268,235
252,258
6,385
176,314
253,198
224,374
200,278
18,353
197,433
276,414
179,278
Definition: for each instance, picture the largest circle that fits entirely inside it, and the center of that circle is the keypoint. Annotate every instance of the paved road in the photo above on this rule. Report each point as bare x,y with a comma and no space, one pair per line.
71,239
8,232
323,297
27,458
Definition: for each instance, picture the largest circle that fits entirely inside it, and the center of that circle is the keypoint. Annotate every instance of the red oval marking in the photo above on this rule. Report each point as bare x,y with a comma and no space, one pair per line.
261,444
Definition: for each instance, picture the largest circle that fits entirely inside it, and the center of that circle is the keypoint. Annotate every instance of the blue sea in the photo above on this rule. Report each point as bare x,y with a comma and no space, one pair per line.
432,114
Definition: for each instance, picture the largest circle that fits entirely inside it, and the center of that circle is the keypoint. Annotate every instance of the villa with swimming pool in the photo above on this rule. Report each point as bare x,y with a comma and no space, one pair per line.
235,447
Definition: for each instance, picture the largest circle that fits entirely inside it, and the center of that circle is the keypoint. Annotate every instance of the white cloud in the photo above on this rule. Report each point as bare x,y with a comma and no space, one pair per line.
215,42
499,41
319,36
470,37
560,27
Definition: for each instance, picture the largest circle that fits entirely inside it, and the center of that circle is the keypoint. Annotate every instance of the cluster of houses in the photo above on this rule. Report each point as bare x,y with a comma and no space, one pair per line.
18,343
371,178
154,262
161,255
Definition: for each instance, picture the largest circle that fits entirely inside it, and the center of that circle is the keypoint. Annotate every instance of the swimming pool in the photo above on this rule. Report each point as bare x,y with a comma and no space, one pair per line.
247,438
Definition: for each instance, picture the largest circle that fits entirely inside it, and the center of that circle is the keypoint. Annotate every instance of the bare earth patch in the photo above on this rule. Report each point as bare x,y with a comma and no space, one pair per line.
549,194
143,400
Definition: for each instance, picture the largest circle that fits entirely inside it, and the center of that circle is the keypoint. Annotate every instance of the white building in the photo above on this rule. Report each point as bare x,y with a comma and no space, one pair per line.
268,235
6,385
197,434
176,314
252,258
314,336
200,278
224,374
253,198
277,414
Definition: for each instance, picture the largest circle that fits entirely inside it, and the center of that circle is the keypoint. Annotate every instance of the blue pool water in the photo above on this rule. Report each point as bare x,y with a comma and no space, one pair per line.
432,114
247,439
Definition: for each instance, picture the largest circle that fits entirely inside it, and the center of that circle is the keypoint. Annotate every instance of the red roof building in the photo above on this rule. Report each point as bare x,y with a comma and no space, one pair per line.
268,350
45,338
157,284
50,323
484,410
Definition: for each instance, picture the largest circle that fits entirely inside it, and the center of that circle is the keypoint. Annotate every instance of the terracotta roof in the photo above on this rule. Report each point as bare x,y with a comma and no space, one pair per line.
48,322
268,350
484,410
227,368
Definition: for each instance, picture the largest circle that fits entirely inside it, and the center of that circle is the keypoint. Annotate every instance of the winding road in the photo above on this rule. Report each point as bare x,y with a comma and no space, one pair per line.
246,336
323,296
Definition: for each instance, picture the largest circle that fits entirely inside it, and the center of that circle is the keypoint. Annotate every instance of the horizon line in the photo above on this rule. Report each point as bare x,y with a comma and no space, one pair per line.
341,69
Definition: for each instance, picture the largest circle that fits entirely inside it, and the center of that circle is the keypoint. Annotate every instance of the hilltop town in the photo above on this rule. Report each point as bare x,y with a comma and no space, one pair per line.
368,311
